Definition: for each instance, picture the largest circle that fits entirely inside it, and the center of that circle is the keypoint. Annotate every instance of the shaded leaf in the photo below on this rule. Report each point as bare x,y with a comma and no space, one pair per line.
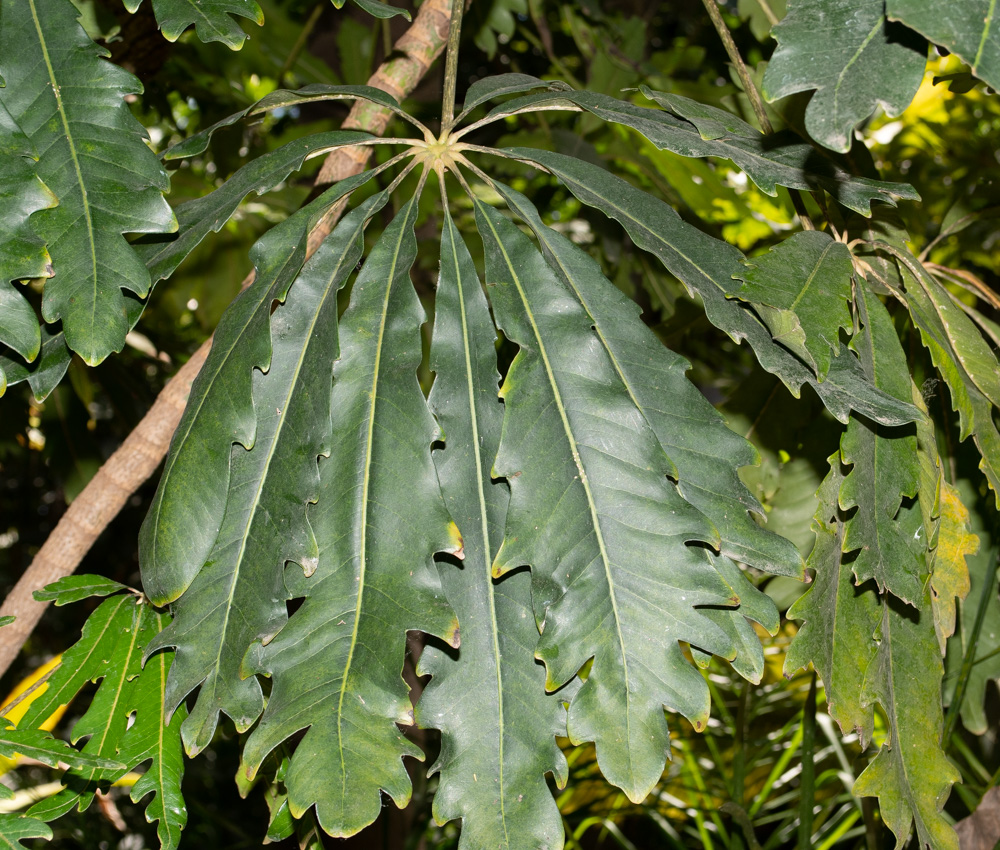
92,156
852,57
336,663
15,828
183,522
967,28
213,20
239,595
603,529
45,373
489,88
73,588
378,9
498,725
800,288
706,266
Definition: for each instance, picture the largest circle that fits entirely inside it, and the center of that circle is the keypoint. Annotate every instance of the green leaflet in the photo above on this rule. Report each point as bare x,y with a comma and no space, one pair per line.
71,104
377,9
336,663
41,746
239,595
956,349
493,87
910,775
886,468
22,252
968,28
73,588
14,828
697,130
197,218
213,20
801,289
603,529
110,648
497,723
187,511
840,618
705,453
706,266
45,373
853,58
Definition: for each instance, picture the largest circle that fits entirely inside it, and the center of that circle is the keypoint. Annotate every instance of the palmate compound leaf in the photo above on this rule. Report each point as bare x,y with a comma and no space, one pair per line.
213,20
840,618
852,57
126,720
498,725
706,266
71,104
602,527
15,828
910,775
885,466
801,289
705,454
967,28
694,129
239,594
184,519
336,663
22,251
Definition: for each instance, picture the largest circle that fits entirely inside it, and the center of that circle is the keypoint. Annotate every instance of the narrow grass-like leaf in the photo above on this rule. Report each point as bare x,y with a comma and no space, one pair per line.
197,218
595,516
71,105
852,57
239,595
910,775
498,725
213,20
76,587
15,828
183,522
336,663
967,28
885,465
800,288
706,266
840,618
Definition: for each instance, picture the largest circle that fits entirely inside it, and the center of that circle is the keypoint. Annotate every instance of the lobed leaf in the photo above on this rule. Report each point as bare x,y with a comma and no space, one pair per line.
336,663
71,105
184,519
239,594
497,723
47,370
854,60
603,529
706,267
801,289
14,828
213,20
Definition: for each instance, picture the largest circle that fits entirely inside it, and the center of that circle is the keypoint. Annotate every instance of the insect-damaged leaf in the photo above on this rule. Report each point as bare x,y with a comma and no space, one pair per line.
239,595
71,105
854,59
800,288
603,529
498,725
336,663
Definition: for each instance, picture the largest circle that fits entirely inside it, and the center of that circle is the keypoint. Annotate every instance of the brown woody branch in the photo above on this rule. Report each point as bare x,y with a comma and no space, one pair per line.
142,451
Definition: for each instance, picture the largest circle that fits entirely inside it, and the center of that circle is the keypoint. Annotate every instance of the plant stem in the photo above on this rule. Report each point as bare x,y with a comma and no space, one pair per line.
300,42
807,784
451,67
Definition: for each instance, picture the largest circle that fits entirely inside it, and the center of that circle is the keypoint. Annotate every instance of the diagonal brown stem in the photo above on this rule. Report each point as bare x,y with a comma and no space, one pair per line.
142,451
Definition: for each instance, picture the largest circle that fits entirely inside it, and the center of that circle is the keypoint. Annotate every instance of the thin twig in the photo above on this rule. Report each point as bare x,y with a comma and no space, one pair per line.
451,67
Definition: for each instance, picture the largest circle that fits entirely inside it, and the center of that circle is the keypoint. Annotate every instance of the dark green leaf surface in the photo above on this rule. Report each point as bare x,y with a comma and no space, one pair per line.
239,595
15,828
196,219
968,28
801,288
886,468
184,519
76,587
910,775
336,663
840,619
489,88
45,373
706,266
497,723
852,57
41,746
378,9
71,104
213,20
603,529
22,252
